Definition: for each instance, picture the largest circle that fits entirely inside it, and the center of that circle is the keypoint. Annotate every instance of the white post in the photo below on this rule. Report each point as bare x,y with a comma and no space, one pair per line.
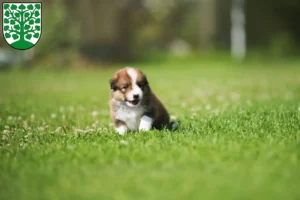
238,32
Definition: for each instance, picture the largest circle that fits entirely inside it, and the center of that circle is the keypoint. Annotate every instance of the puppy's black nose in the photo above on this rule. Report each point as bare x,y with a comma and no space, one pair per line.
135,96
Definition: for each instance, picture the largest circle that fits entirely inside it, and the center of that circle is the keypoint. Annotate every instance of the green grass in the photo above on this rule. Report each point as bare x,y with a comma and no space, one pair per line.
239,137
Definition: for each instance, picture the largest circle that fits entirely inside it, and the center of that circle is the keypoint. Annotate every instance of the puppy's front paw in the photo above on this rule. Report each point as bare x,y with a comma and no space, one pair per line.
121,130
146,123
144,128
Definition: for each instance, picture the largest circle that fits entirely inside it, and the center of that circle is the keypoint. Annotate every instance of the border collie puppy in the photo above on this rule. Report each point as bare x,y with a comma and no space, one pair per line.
133,106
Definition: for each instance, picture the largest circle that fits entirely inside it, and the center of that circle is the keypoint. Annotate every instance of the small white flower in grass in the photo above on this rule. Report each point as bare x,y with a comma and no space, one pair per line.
58,129
41,128
111,124
216,111
6,127
95,124
6,131
235,96
9,118
32,116
19,118
53,115
193,114
71,108
123,142
173,117
25,124
77,130
207,107
94,113
89,130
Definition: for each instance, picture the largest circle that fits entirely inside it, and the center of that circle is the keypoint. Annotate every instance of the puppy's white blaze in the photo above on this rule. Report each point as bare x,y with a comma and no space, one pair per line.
121,130
136,90
146,123
133,74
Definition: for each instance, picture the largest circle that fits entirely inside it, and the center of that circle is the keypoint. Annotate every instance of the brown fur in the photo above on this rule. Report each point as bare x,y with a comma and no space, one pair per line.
121,84
158,112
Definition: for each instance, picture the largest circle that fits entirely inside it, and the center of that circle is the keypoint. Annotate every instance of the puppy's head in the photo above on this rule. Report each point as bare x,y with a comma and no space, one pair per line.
129,85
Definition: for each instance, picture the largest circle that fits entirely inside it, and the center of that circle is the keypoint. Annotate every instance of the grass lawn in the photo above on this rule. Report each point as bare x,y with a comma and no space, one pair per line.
239,137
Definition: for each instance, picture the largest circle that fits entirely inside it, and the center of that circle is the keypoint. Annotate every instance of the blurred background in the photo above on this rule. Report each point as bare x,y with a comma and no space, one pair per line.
77,33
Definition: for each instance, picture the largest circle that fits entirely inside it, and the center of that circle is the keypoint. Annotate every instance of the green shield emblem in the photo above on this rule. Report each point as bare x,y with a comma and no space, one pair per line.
22,24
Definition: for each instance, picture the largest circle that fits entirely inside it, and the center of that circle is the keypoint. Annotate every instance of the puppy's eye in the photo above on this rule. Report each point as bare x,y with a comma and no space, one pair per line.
124,88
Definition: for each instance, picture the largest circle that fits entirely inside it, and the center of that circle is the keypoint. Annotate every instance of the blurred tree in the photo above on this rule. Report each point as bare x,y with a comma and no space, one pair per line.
124,29
223,23
60,33
106,28
208,23
174,20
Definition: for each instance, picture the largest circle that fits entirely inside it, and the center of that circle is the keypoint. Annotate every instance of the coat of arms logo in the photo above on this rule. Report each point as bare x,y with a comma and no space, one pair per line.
22,24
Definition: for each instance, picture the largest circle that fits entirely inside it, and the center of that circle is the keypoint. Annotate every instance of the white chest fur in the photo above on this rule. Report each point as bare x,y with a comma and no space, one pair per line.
130,115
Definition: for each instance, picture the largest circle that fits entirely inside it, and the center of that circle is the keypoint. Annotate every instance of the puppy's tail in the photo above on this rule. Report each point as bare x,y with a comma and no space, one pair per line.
173,126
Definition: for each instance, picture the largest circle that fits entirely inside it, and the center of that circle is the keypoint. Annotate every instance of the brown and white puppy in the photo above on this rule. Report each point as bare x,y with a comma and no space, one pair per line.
133,106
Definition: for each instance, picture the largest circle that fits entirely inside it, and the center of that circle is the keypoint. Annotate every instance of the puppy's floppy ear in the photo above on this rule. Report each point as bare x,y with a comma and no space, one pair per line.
145,80
112,83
